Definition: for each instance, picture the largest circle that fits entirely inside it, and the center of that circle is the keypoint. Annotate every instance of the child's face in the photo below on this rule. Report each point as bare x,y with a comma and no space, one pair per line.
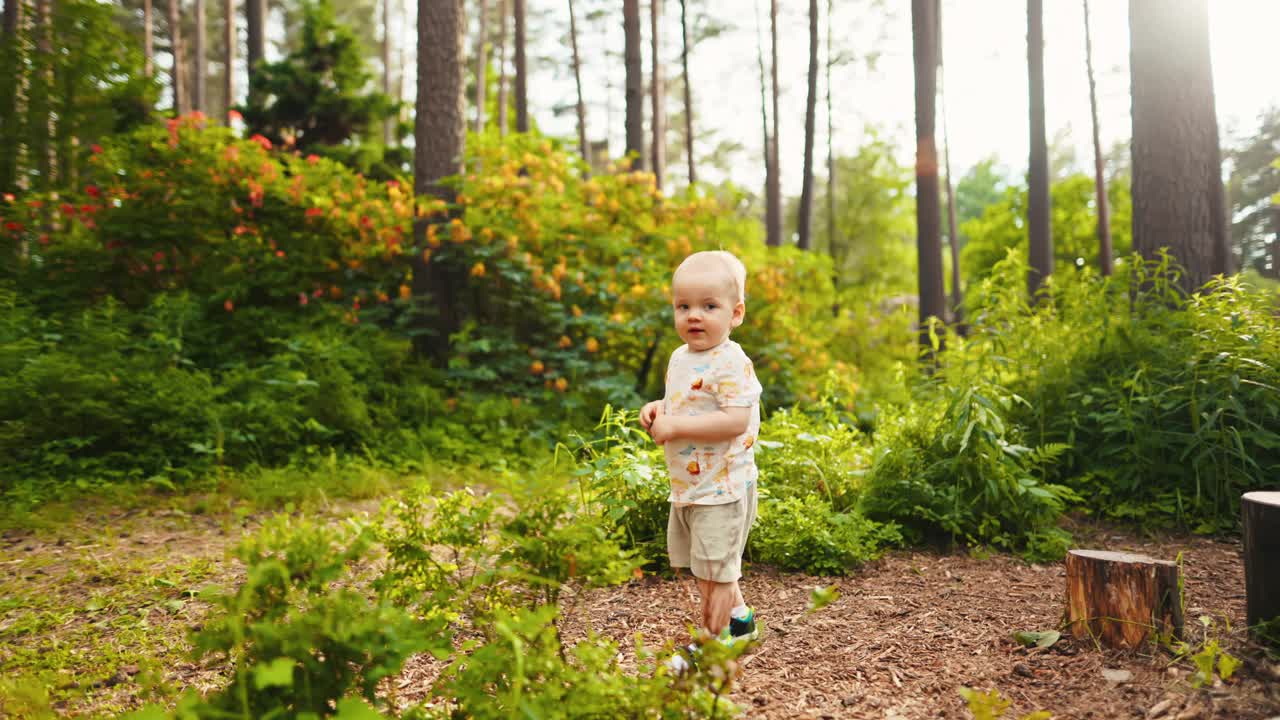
706,307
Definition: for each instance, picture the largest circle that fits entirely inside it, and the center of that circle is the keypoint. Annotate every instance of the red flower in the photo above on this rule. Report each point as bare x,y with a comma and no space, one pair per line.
96,148
68,209
92,191
234,116
265,143
303,299
158,256
315,212
172,125
13,226
279,253
44,239
229,306
313,159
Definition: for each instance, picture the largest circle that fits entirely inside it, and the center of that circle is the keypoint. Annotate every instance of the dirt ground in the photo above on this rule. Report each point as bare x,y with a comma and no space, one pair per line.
905,634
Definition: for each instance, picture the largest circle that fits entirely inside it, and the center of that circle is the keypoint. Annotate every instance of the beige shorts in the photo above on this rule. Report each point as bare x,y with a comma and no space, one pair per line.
710,539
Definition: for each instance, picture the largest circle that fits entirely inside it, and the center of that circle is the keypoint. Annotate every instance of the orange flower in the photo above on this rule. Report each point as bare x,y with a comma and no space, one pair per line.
565,341
536,367
693,468
562,384
477,270
406,292
228,305
577,311
592,345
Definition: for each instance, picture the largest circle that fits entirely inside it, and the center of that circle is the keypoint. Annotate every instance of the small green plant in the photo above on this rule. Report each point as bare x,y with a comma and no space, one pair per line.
1207,655
991,705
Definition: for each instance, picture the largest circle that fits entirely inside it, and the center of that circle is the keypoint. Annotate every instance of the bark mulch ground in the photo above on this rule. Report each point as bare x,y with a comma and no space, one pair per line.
911,629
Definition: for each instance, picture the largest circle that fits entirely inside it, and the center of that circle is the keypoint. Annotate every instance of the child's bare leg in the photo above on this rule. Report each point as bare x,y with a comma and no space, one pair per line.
718,600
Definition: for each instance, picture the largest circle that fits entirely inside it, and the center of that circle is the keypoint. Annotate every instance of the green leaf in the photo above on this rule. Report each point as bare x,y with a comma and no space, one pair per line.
1227,665
1042,638
356,709
277,673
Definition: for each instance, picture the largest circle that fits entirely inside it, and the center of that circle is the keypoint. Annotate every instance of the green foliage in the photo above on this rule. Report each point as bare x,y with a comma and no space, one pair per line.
316,97
522,669
625,476
804,533
955,464
1167,404
297,640
1074,224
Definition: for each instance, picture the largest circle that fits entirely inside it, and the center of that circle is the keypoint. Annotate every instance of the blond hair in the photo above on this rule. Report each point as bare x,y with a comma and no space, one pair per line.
723,260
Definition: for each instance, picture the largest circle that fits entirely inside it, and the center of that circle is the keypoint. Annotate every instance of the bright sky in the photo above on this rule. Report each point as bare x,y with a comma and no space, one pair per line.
986,77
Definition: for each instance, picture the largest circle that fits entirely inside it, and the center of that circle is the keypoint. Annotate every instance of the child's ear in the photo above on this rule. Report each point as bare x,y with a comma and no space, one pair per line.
739,311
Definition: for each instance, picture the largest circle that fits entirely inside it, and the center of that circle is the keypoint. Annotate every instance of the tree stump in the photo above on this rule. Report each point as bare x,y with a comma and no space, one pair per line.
1261,516
1121,598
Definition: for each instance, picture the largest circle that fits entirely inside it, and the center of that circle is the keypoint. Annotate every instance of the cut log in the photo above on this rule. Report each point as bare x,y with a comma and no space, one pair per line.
1261,517
1122,598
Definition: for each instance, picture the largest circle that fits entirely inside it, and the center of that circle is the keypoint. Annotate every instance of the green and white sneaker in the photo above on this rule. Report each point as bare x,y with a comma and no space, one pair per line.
742,628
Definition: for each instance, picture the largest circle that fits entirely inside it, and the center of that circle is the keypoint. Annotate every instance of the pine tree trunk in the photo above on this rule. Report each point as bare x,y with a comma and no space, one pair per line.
773,196
439,134
177,74
1099,179
148,43
229,56
831,154
810,111
1039,231
482,64
41,107
255,16
657,93
503,11
1178,198
769,168
11,113
953,237
635,81
688,91
928,215
389,124
522,71
584,146
199,79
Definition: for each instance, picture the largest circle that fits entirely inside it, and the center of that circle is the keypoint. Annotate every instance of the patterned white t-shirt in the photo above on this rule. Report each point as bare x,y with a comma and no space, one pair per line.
703,382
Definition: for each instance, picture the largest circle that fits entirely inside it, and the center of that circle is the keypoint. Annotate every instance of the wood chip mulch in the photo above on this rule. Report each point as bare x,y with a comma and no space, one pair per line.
910,630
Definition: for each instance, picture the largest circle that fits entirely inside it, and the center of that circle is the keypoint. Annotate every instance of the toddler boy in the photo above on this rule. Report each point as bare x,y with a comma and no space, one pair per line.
707,423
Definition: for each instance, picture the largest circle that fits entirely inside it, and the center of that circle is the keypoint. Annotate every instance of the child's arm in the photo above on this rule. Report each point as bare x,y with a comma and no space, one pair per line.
724,424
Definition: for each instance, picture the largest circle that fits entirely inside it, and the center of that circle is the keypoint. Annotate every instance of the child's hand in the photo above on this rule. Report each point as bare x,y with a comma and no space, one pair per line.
649,412
663,428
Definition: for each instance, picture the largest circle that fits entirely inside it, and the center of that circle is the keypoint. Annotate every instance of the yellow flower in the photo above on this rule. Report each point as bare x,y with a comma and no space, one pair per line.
577,311
565,341
477,270
562,384
458,232
592,345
